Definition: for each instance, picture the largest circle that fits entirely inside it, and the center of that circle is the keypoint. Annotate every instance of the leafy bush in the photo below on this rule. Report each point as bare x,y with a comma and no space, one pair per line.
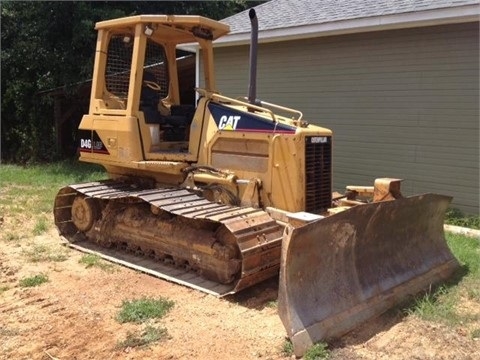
456,217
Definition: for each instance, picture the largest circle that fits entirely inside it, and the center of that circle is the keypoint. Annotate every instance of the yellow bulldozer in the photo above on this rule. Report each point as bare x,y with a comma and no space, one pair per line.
221,193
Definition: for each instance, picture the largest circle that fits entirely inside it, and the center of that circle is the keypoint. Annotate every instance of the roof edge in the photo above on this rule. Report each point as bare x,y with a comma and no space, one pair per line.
461,14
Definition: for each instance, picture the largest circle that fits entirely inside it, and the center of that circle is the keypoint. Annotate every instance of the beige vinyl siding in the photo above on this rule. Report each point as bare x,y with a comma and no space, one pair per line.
402,103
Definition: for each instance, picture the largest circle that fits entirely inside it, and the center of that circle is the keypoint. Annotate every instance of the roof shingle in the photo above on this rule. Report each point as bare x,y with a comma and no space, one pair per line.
283,14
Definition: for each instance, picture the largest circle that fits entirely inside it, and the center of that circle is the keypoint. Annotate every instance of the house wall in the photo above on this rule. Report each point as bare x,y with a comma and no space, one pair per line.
402,103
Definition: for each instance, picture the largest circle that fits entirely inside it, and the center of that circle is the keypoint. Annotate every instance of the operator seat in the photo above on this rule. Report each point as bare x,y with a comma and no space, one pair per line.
149,100
176,126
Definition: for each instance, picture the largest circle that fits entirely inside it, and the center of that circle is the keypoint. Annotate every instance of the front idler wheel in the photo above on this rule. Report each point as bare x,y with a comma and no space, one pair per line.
84,213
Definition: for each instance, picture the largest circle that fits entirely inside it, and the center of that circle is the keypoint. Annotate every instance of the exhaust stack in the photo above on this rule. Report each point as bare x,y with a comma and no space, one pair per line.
252,84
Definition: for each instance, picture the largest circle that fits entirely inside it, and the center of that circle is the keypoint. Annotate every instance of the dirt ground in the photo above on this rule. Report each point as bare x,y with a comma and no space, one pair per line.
72,316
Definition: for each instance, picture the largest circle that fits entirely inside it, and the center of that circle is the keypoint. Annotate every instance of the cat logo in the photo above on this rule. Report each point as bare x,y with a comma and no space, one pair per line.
229,122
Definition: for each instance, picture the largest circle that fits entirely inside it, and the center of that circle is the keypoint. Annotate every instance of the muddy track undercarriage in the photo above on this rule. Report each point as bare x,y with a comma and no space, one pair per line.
171,233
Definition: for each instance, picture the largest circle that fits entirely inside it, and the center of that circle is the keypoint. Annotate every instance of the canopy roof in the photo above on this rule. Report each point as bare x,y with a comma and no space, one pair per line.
182,28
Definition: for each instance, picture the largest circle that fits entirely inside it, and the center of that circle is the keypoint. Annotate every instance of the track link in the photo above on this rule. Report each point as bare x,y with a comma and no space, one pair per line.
197,236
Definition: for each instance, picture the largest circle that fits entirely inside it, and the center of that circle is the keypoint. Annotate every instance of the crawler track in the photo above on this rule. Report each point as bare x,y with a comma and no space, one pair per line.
171,233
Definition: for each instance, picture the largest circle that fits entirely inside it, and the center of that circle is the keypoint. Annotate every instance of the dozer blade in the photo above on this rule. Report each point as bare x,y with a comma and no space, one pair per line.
340,271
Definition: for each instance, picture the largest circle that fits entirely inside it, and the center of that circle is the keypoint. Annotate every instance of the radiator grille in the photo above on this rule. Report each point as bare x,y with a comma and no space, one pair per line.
318,170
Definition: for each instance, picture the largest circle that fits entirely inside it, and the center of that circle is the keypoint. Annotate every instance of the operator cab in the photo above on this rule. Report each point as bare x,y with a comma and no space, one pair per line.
148,74
157,106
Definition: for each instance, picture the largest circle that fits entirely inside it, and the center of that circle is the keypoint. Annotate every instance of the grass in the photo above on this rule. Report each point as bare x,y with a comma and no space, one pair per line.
272,304
41,226
11,236
37,185
41,253
58,173
149,335
443,304
27,194
33,280
437,305
3,289
93,260
467,251
317,352
138,311
287,348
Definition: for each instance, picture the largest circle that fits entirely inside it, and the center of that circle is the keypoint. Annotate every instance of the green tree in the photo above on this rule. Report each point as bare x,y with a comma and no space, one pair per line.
49,44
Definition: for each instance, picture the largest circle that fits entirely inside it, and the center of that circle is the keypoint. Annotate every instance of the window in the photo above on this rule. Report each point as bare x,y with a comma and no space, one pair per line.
119,61
156,66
